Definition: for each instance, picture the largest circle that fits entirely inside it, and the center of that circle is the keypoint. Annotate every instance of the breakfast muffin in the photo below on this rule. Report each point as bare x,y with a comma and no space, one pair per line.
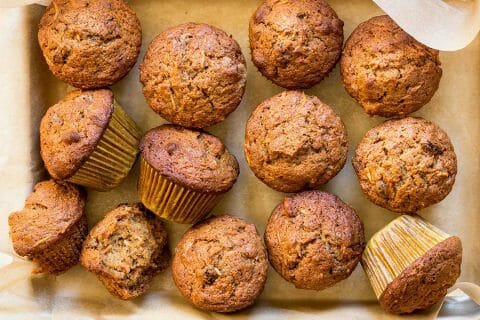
405,165
220,264
411,264
51,227
90,43
183,172
294,141
126,250
295,43
88,139
193,75
387,71
314,240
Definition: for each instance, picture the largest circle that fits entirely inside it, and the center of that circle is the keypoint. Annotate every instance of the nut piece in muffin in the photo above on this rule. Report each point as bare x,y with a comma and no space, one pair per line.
411,264
405,165
193,75
126,250
314,240
90,43
387,71
220,264
51,227
294,141
295,43
183,172
88,139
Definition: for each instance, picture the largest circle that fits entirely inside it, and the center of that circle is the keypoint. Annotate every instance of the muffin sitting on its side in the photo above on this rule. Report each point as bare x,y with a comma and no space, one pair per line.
387,71
50,229
193,75
126,250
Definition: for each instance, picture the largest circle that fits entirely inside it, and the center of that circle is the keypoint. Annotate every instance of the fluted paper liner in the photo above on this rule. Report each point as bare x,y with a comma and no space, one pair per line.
172,201
391,250
113,156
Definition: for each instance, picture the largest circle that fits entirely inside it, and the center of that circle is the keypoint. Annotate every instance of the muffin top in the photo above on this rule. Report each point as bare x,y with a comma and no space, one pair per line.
405,165
71,129
294,141
193,75
314,239
426,281
49,213
127,248
387,71
295,43
193,159
220,264
90,43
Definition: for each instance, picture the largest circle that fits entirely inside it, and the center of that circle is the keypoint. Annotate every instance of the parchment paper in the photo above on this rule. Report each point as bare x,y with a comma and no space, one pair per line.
28,89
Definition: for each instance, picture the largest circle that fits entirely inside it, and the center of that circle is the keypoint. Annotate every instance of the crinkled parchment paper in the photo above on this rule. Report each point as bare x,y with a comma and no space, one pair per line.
27,89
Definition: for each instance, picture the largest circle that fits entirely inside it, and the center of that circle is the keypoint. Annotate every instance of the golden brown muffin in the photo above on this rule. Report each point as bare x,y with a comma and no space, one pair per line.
126,250
51,227
387,71
294,141
295,43
220,264
411,264
183,172
90,43
88,139
314,240
405,165
193,75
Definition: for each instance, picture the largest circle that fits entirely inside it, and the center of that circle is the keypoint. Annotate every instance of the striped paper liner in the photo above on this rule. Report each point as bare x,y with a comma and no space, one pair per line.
391,250
113,156
172,201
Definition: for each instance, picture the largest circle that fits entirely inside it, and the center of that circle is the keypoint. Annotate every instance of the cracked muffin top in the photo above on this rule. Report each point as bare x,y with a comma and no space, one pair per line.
294,141
295,43
126,249
193,75
90,43
405,165
220,264
314,239
50,211
192,158
71,129
387,71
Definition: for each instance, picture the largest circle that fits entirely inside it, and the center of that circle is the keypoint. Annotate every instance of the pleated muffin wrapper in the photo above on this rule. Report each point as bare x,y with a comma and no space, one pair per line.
394,248
172,201
63,254
114,155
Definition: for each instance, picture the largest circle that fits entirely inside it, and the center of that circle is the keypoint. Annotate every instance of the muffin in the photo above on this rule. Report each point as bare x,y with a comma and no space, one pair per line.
126,250
295,43
193,75
294,141
405,165
88,139
183,172
314,240
220,264
387,71
51,227
411,264
90,44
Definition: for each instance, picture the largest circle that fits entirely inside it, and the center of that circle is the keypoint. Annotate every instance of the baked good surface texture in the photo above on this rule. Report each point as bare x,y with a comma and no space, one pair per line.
314,240
295,43
193,75
220,264
405,165
387,71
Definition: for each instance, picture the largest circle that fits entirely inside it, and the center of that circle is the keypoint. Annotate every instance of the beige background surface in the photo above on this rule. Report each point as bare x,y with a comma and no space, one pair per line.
28,89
